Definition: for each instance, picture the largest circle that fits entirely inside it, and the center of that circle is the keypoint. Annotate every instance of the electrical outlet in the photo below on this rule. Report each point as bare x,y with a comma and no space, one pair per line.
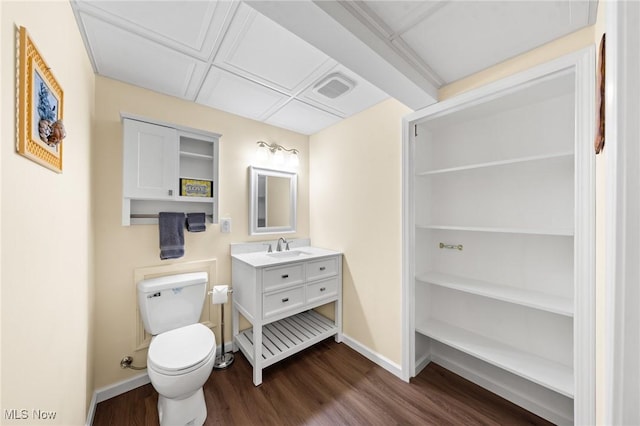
225,225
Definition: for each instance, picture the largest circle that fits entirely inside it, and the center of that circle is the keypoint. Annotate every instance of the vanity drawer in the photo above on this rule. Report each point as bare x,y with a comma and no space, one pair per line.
322,290
280,301
282,276
322,268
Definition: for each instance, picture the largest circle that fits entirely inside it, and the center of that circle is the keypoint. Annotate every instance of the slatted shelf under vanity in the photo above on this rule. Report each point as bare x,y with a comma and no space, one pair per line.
282,338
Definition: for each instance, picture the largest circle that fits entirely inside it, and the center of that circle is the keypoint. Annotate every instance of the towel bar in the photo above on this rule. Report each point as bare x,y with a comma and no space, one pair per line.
152,216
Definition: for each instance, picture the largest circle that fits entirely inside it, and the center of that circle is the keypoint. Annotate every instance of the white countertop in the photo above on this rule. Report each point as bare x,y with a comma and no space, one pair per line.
260,259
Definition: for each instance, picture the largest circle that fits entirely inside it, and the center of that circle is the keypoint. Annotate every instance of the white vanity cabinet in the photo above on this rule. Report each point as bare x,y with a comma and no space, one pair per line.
277,296
499,238
157,157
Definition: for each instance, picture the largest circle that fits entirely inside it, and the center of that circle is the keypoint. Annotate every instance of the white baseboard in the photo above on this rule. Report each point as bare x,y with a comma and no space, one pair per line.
92,410
108,392
422,363
375,357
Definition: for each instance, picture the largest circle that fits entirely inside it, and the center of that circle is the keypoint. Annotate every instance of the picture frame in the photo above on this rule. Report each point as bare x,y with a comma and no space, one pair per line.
40,107
196,188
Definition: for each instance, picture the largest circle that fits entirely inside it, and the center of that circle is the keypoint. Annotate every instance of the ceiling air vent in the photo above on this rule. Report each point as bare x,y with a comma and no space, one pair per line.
334,85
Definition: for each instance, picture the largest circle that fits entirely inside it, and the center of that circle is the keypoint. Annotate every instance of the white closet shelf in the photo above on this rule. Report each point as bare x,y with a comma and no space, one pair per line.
196,155
566,232
282,338
552,375
533,299
497,163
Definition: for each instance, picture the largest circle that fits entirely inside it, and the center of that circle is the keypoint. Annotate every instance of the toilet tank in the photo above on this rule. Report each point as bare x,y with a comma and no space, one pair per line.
171,301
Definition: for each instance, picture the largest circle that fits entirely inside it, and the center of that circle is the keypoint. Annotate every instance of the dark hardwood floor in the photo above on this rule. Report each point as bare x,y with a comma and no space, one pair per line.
329,384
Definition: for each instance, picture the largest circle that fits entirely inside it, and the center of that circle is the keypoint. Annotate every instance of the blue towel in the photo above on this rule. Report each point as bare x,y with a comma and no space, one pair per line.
171,227
196,222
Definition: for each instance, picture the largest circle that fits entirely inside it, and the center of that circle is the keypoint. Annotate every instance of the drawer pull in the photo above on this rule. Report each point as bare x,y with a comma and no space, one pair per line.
285,300
322,268
323,288
285,276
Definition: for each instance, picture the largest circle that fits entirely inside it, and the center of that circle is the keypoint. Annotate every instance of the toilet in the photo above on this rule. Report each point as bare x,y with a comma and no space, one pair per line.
182,351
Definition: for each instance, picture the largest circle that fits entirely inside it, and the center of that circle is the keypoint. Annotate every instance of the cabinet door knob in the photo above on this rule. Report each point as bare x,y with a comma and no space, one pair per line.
322,268
285,276
323,288
285,300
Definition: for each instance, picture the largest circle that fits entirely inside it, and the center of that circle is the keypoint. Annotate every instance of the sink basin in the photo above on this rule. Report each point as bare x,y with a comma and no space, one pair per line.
286,254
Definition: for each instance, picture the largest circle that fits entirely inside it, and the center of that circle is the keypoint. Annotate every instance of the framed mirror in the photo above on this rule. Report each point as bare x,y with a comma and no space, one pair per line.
272,201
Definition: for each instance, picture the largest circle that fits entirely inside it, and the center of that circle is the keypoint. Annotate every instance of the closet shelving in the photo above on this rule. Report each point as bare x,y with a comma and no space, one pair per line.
499,222
525,297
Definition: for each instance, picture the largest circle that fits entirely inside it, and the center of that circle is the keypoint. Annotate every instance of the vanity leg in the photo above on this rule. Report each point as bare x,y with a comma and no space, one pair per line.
257,355
338,319
235,320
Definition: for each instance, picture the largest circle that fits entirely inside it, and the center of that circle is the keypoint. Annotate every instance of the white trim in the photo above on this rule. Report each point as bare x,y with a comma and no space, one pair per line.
622,321
584,322
92,410
408,270
110,391
375,357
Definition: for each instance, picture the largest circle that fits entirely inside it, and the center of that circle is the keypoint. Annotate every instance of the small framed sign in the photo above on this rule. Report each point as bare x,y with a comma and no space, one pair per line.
196,188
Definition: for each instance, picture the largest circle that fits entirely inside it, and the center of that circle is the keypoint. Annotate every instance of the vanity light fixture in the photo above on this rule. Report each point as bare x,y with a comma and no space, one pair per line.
277,154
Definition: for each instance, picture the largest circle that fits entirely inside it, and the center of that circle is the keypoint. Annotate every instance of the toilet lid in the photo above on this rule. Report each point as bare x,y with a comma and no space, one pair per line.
181,348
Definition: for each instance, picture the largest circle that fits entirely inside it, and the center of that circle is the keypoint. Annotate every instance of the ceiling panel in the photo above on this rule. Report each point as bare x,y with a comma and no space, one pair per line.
399,15
465,37
303,118
229,92
127,57
193,27
259,49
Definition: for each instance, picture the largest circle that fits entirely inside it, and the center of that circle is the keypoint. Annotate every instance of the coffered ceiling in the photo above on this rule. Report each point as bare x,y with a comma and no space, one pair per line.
286,62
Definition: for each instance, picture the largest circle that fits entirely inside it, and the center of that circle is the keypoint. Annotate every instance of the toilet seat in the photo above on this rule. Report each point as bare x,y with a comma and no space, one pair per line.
181,350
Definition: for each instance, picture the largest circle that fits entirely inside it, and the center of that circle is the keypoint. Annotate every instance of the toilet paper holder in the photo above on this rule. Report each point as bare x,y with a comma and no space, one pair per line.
224,360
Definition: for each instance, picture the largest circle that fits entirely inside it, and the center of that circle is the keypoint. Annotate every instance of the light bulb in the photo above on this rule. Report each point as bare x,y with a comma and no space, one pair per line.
294,160
262,153
278,157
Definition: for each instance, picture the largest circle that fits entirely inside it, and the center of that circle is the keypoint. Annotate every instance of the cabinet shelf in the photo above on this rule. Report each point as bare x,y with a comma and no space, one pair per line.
194,199
497,163
532,299
552,375
566,232
196,155
287,336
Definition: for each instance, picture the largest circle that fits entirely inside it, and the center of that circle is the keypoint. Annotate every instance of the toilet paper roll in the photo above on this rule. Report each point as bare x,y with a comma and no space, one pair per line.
219,294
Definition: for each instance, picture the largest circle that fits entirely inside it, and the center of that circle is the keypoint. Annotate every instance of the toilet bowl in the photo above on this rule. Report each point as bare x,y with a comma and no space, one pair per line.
179,363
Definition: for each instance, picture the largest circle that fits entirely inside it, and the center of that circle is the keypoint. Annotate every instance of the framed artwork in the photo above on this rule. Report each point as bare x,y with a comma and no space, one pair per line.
40,107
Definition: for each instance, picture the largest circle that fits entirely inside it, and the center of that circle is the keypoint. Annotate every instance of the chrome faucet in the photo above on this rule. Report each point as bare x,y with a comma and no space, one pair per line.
279,246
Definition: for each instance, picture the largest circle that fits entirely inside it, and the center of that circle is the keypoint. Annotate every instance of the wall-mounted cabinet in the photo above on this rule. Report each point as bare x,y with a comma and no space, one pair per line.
167,168
499,232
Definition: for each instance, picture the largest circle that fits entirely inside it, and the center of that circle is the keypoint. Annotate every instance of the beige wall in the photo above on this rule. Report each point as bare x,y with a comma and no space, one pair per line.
119,249
356,206
46,241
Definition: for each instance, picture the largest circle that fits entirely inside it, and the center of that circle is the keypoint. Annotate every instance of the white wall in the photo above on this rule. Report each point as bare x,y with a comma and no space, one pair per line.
47,241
